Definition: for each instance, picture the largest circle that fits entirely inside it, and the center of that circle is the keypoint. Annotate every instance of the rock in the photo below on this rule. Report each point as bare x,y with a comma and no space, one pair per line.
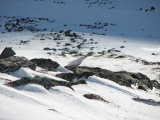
61,31
102,52
47,64
94,97
22,42
123,78
117,51
45,82
67,44
147,101
156,84
46,48
146,10
52,110
142,88
89,54
118,78
14,63
120,56
154,63
7,52
113,50
141,79
153,54
72,68
144,62
71,76
122,47
153,8
70,34
79,82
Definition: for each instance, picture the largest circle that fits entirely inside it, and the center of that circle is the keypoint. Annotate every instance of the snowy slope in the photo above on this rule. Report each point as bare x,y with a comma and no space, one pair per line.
31,100
123,18
127,28
61,103
34,100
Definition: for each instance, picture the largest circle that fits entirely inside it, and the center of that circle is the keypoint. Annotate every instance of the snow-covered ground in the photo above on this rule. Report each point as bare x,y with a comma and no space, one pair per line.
128,26
33,101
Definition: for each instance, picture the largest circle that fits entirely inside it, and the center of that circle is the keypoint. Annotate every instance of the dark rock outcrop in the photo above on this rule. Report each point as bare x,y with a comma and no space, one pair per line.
14,63
7,52
47,64
123,78
45,82
122,47
79,82
144,62
156,84
47,48
71,76
69,33
147,101
113,50
152,8
118,78
141,88
94,97
138,79
120,56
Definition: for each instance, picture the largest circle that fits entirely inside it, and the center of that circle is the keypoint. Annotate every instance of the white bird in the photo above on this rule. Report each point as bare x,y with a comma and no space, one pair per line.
77,62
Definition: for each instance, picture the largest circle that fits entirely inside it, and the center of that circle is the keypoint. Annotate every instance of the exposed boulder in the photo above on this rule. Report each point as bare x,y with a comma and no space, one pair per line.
113,50
47,64
72,68
79,82
71,76
141,88
118,78
14,63
69,33
139,79
156,84
122,47
152,8
94,97
79,77
45,82
7,52
47,48
123,78
144,62
67,44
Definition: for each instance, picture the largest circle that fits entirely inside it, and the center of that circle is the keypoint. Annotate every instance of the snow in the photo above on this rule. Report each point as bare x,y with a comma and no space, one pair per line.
22,72
136,30
130,23
33,99
27,72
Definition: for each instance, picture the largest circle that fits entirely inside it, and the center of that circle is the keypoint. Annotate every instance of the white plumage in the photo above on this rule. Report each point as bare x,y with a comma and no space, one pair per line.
77,62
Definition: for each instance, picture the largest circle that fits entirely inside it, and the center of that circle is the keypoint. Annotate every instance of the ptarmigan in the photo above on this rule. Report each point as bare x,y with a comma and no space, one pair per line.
77,62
